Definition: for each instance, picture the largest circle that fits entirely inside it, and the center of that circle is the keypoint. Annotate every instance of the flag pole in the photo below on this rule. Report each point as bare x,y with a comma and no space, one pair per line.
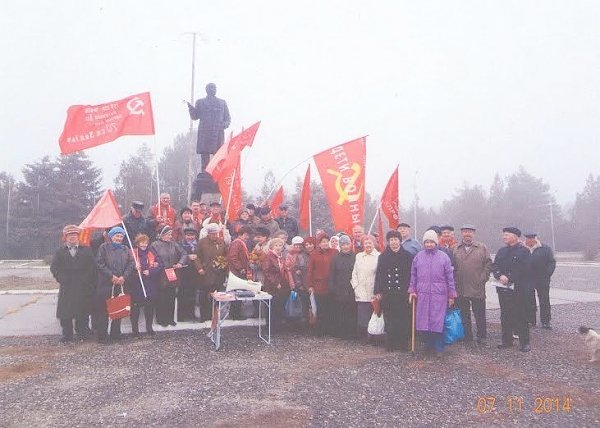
285,175
157,177
135,259
309,218
374,218
229,197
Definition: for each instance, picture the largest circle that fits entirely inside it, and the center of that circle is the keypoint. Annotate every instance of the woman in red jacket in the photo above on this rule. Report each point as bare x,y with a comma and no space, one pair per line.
319,265
276,280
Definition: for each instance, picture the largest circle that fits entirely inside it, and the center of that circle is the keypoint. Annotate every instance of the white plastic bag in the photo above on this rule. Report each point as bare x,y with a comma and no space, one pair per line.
376,325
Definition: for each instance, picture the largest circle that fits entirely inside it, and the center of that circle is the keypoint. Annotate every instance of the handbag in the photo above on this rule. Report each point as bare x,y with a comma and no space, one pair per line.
453,326
118,307
376,325
293,306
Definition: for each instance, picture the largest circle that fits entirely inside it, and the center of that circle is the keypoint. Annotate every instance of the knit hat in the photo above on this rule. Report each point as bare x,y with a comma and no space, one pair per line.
345,239
71,228
166,230
430,235
212,228
297,240
115,230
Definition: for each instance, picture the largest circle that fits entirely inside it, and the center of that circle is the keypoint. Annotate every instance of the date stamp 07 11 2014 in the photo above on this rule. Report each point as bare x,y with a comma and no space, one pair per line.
516,404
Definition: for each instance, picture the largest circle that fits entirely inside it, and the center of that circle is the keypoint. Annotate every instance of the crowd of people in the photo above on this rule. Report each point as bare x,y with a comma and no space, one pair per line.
170,264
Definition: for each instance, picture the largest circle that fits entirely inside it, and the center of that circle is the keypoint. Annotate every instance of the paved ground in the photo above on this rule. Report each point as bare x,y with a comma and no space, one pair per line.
177,379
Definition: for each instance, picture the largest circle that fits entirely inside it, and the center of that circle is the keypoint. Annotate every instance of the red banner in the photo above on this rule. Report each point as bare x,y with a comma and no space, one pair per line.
233,203
390,204
225,158
276,202
342,171
304,210
88,126
105,213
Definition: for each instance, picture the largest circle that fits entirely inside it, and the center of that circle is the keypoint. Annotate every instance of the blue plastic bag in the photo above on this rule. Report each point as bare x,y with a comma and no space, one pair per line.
453,326
293,306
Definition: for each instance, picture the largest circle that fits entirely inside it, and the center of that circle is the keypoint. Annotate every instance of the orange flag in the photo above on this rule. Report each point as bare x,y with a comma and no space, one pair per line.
390,204
232,194
276,201
105,213
380,238
342,171
225,158
88,126
304,209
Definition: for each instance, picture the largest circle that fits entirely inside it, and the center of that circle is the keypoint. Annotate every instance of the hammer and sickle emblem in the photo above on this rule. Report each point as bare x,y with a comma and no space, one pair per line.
135,106
343,192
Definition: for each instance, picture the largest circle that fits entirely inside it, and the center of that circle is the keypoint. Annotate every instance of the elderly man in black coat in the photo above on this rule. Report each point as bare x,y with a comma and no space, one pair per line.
74,269
214,119
511,268
542,267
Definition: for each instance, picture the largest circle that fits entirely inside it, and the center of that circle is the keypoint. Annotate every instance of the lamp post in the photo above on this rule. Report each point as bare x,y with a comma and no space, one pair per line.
550,204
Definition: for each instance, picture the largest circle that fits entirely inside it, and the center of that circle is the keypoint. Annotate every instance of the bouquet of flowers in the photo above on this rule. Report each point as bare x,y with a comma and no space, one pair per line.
220,263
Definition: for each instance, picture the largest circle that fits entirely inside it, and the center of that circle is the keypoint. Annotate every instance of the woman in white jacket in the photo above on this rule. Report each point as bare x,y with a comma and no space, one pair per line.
363,283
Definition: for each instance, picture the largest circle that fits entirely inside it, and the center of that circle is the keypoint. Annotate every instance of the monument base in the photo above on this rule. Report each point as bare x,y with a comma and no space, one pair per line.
203,184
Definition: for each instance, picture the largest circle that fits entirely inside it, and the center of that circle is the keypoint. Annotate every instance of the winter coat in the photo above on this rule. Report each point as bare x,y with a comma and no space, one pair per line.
138,225
214,119
472,270
297,265
363,276
146,259
290,225
340,277
432,280
179,226
207,251
271,225
275,273
169,254
168,215
513,261
319,264
393,272
237,258
110,260
77,278
412,246
542,264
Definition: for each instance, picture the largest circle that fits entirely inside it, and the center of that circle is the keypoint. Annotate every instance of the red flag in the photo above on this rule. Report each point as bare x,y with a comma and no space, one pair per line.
305,201
380,237
233,203
105,213
390,205
342,171
276,201
225,159
89,126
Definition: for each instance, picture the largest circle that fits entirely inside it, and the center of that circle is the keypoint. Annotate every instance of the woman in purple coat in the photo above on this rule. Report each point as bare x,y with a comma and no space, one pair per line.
432,285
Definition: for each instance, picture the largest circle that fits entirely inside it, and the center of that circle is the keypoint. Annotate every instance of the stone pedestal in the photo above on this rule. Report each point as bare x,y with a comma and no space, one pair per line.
204,184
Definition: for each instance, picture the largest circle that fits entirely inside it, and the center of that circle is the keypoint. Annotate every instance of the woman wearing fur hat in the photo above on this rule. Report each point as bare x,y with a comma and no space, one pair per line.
319,266
74,269
276,280
343,305
432,285
170,256
363,283
150,269
115,263
391,284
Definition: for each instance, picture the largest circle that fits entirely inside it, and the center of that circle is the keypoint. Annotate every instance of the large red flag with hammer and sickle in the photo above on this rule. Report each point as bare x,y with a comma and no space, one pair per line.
390,204
342,171
88,126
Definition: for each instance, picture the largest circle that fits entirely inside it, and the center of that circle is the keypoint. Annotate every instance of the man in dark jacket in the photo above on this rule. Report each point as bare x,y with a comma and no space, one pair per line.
341,291
287,223
136,223
391,288
542,267
74,268
511,268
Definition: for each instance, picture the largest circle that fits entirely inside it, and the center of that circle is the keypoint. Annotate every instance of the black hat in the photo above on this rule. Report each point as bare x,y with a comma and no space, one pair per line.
467,226
513,230
447,227
189,230
283,207
137,205
530,234
393,234
251,207
436,229
215,204
404,225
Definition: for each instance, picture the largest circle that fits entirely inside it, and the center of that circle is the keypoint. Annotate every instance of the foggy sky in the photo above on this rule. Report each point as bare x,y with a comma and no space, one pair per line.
454,90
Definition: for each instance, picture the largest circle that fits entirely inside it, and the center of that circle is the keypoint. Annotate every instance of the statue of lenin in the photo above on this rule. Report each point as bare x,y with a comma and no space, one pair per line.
214,119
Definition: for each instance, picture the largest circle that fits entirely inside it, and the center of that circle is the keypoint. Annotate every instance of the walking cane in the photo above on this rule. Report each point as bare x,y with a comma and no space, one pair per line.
412,345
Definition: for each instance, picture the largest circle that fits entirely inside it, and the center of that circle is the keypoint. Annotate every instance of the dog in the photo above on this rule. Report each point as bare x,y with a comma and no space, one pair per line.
592,340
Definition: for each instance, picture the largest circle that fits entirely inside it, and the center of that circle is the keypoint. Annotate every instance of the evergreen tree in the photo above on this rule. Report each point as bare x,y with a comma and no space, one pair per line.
586,217
136,180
